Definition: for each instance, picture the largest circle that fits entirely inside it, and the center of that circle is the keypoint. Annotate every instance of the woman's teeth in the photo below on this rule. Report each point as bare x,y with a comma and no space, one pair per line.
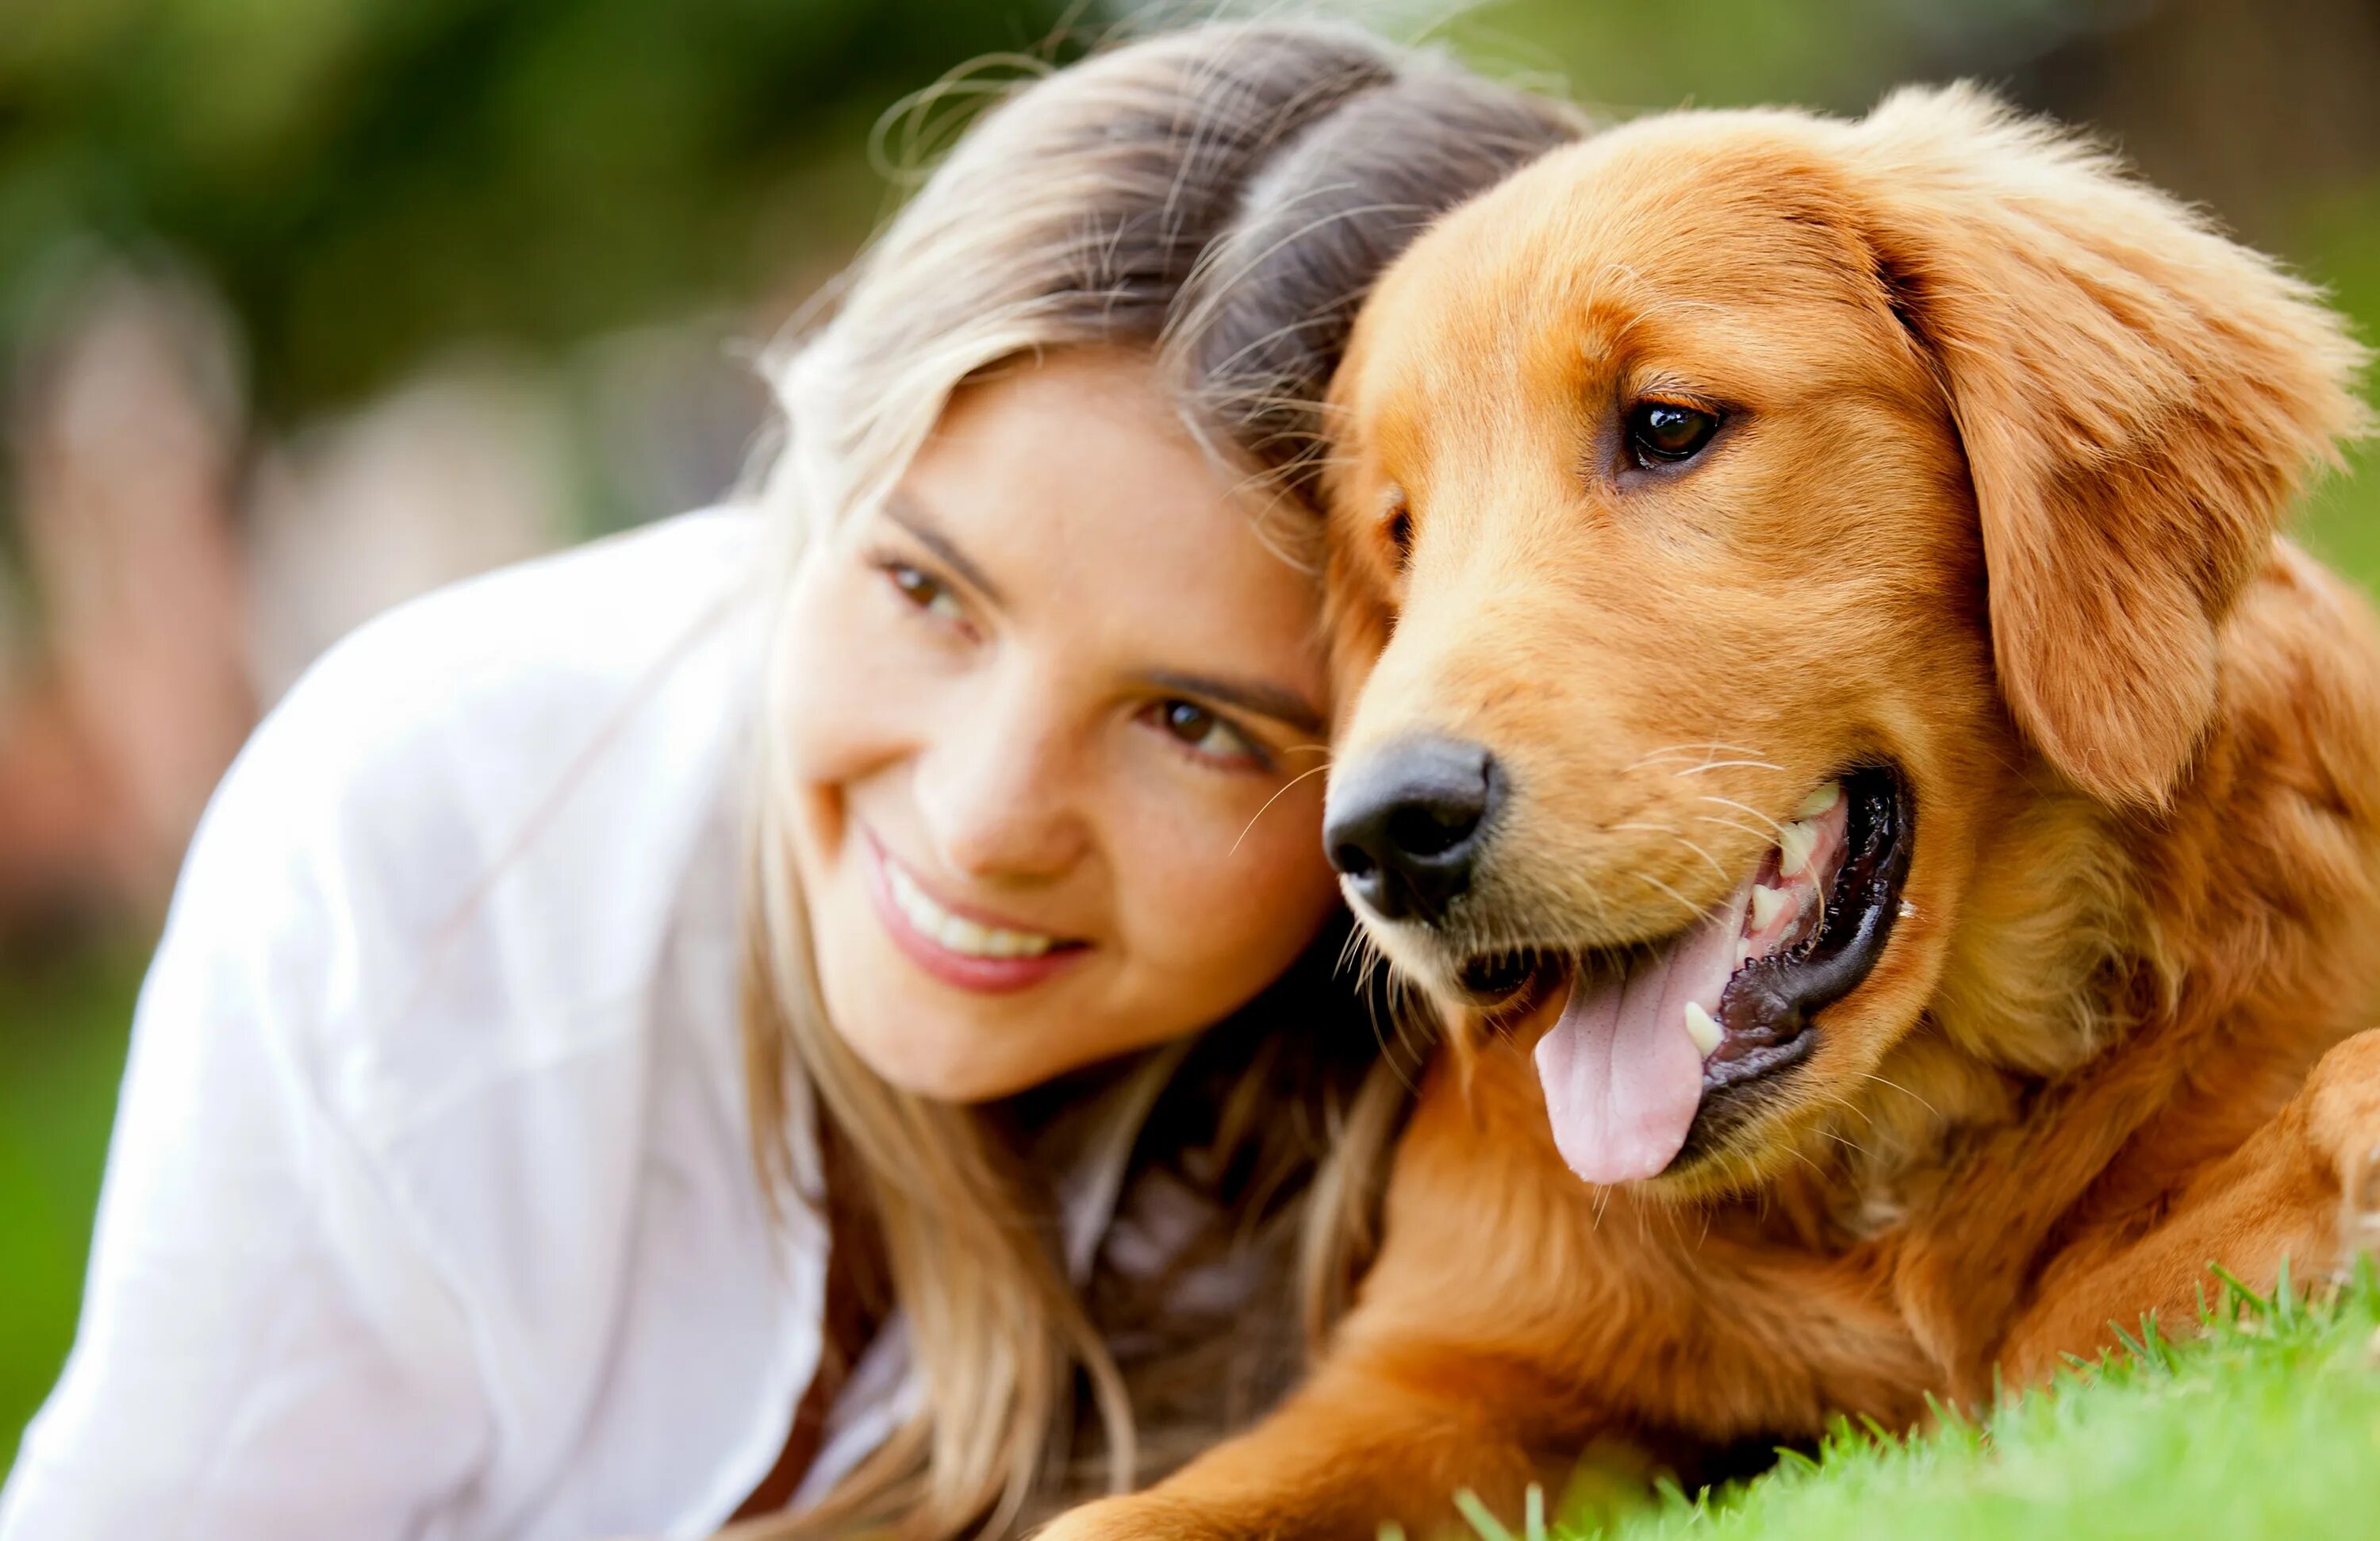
956,932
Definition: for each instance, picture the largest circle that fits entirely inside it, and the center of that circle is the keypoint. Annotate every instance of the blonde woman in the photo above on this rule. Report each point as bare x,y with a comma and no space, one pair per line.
697,1026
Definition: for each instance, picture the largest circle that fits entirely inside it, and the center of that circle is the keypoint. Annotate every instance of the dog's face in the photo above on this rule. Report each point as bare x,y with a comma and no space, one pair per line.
1722,595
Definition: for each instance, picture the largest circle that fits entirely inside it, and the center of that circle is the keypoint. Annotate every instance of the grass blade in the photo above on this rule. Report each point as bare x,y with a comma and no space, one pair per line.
2239,1287
1482,1518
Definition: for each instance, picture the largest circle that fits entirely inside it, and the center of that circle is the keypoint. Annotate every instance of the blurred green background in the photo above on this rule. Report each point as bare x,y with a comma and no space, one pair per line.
308,304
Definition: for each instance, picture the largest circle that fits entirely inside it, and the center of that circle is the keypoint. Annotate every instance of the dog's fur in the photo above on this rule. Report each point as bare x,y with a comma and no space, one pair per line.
2009,438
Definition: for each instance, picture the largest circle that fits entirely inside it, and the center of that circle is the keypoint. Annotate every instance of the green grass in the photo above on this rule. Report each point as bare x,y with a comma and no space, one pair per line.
2264,1423
64,1024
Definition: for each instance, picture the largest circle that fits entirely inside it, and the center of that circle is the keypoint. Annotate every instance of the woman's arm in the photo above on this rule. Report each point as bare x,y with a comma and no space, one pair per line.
265,1350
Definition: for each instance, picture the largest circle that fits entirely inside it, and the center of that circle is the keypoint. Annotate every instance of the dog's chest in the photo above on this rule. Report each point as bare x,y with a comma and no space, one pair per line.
1780,1330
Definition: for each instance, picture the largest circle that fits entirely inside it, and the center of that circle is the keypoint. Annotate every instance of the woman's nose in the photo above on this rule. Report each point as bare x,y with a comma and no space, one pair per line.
998,790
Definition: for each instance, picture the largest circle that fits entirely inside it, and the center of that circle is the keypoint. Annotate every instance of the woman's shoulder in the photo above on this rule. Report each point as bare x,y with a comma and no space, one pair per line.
491,686
486,815
516,646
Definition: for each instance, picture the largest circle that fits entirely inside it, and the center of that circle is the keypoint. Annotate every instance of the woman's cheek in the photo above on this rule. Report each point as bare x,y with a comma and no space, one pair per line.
1229,902
850,700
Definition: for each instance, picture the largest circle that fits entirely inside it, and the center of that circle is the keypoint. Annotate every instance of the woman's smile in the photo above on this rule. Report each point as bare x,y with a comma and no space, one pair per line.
958,945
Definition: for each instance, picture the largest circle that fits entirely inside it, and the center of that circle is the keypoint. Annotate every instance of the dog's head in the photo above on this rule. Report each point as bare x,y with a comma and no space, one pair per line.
1735,511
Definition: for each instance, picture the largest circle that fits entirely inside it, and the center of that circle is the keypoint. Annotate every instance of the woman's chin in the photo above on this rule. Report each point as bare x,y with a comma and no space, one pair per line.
947,1063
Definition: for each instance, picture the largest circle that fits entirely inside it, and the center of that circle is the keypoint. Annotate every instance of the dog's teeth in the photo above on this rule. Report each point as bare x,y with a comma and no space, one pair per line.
1794,844
1701,1029
1768,904
1819,801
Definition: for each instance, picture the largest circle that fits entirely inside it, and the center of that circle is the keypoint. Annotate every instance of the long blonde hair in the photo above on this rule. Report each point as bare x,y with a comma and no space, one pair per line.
1181,194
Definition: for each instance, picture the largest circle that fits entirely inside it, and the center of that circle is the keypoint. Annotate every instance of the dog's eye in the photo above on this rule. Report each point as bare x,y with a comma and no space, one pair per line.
1664,433
1396,527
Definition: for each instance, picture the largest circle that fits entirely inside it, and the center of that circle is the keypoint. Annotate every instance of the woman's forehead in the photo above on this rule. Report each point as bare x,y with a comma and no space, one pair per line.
1071,490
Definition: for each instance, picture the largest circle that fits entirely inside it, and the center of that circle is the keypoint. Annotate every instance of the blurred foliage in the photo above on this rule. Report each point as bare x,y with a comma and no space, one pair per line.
1830,53
367,177
2339,247
63,1028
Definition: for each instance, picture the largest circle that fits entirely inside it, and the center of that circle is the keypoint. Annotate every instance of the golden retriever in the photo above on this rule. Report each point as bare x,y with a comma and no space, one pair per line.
1896,831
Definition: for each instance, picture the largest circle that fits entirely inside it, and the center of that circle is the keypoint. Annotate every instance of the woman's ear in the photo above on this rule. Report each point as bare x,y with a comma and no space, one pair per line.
2139,399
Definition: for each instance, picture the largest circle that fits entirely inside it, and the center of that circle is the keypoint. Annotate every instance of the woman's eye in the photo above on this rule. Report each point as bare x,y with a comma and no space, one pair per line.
1663,432
925,590
1204,733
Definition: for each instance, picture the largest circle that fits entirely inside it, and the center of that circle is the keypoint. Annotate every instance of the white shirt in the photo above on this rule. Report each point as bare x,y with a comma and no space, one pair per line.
430,1211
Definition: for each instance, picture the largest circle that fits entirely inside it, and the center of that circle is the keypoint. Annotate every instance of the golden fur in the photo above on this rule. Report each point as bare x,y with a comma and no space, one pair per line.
2009,438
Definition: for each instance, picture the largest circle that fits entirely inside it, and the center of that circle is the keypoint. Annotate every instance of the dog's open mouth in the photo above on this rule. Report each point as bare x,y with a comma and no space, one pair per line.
1655,1056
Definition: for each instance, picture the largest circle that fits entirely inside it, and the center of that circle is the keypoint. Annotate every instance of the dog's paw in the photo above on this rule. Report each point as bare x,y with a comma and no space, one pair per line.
2344,1123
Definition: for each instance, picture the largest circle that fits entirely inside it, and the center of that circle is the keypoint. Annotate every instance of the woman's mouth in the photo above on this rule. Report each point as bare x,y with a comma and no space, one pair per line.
1655,1058
969,950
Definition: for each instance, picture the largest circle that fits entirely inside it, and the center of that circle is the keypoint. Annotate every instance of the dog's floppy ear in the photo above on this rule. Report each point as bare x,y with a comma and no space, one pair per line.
2139,399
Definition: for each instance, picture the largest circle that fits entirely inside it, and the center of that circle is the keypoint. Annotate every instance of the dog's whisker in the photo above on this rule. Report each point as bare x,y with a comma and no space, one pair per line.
1358,940
1686,751
1276,797
1706,747
1741,808
1849,1106
1817,1171
1695,913
1726,764
1732,824
1724,876
1824,1134
1871,1075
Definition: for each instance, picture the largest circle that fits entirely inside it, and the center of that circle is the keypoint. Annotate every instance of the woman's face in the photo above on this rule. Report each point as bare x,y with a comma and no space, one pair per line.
1052,710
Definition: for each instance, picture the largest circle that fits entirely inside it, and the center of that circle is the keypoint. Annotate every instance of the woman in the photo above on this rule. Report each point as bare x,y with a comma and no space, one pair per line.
546,904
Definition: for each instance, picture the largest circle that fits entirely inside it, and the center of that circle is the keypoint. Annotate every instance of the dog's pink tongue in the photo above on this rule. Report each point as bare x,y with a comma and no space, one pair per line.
1621,1078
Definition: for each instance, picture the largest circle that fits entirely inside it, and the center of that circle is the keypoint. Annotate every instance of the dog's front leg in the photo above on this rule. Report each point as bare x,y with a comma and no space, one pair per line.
1372,1439
1469,1362
2307,1186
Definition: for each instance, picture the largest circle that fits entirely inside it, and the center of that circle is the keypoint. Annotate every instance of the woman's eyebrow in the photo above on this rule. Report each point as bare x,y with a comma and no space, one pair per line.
1278,702
904,512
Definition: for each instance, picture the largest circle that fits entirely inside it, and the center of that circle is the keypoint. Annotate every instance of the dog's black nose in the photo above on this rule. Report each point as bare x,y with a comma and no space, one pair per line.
1407,828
